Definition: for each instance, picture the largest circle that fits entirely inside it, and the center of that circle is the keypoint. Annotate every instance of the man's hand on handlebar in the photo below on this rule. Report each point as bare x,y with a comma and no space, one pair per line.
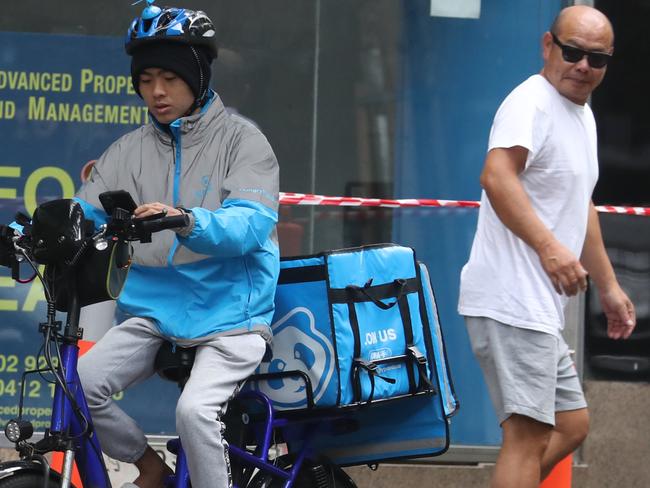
152,217
137,223
155,208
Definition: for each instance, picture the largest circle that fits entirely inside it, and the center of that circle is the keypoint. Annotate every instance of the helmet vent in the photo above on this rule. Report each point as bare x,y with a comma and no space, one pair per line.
166,19
146,24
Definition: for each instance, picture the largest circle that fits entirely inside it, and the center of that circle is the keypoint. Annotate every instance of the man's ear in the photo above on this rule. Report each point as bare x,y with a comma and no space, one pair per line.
547,45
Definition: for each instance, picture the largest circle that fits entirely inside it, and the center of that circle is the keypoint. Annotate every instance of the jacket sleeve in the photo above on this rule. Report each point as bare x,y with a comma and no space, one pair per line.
249,210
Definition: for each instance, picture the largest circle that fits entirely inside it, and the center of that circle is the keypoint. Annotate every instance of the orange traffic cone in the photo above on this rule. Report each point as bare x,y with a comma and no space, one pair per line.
560,476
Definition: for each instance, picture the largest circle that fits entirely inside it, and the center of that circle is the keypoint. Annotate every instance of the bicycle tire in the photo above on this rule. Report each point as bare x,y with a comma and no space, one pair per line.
26,480
321,473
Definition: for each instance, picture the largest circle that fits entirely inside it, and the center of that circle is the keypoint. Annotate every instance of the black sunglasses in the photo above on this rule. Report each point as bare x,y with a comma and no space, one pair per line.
573,54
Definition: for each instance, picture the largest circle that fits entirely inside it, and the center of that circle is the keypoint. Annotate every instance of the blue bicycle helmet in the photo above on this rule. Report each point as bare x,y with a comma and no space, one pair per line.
176,39
157,24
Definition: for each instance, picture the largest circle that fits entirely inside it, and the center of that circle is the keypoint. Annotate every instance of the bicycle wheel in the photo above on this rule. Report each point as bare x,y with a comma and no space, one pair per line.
26,480
321,473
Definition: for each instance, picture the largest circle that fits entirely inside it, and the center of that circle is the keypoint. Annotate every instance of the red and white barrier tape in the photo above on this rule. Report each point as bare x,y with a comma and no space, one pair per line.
307,199
623,210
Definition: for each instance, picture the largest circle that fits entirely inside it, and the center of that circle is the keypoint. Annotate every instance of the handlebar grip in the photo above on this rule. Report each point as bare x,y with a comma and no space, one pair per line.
156,225
5,246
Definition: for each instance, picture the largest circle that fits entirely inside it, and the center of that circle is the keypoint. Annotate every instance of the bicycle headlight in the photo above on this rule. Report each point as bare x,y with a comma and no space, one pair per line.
18,430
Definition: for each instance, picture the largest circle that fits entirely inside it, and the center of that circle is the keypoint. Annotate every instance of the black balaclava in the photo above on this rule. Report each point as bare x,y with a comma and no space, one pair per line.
191,63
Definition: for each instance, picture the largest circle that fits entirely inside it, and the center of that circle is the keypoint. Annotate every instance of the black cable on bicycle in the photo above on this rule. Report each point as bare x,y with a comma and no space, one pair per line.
40,354
46,348
22,392
34,266
61,381
64,387
73,402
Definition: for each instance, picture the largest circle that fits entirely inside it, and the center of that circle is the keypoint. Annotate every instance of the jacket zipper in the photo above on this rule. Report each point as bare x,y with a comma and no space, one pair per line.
176,150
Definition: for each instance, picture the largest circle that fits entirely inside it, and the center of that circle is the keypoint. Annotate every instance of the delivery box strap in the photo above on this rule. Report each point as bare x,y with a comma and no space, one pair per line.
372,370
405,314
421,363
302,274
375,293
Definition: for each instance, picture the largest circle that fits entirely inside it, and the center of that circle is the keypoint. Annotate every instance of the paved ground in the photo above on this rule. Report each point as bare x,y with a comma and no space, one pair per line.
616,454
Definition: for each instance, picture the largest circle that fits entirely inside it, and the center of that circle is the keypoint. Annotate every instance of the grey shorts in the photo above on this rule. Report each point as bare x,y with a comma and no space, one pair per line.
527,372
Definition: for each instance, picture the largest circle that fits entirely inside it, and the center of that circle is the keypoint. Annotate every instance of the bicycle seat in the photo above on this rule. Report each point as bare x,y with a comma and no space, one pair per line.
174,363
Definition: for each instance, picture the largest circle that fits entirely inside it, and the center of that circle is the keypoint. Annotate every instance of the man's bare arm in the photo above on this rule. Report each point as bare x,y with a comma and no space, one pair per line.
500,179
618,308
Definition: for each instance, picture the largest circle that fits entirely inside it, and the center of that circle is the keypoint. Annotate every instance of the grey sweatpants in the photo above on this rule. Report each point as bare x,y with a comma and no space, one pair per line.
125,357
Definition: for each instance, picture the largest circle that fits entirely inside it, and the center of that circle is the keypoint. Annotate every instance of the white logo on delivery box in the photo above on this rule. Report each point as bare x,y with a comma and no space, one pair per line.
378,354
298,345
380,336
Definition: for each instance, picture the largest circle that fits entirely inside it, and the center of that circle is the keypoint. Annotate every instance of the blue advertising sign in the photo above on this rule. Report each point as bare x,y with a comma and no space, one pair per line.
63,100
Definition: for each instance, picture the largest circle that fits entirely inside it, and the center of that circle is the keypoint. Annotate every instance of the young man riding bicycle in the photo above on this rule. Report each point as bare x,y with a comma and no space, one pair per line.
210,284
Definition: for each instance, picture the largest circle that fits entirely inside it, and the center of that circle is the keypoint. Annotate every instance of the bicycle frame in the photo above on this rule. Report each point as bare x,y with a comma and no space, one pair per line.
295,429
71,430
69,433
67,430
86,450
261,459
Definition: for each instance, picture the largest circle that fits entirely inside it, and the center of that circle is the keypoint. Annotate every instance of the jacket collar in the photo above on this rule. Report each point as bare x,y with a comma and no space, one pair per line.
191,127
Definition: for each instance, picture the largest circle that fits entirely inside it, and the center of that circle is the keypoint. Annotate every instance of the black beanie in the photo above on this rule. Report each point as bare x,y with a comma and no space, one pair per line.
191,63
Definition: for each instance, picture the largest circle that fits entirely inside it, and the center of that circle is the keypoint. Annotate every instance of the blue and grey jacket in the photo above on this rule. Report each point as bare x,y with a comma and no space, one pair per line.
221,277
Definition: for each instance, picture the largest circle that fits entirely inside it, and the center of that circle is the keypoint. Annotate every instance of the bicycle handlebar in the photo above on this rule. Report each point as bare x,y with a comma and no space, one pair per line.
121,225
7,257
124,226
150,226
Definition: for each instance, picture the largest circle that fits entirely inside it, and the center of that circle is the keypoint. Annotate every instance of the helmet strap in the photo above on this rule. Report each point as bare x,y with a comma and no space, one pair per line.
203,89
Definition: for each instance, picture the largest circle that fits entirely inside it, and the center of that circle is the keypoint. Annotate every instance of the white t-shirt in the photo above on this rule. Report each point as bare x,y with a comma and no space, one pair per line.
504,279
